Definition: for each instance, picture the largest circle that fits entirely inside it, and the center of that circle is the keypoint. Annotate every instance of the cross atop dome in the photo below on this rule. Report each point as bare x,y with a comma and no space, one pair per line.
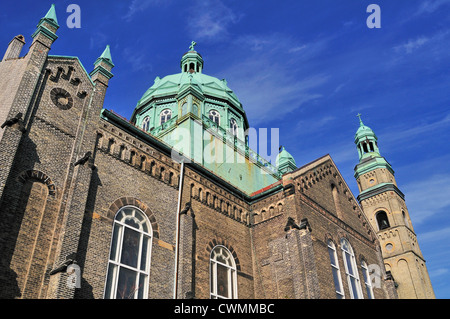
359,116
193,44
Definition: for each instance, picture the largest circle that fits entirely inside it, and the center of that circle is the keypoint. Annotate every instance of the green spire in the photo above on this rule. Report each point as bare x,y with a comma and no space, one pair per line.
285,162
106,54
106,57
48,25
103,64
51,14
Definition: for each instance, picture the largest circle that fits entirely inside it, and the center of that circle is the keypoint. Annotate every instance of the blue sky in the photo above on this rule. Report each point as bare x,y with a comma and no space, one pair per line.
306,67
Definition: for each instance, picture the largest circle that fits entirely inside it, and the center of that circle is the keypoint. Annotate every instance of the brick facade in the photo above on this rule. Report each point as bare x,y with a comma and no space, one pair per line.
55,207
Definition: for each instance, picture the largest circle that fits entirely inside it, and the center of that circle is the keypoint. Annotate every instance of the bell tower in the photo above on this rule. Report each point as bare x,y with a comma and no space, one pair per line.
384,206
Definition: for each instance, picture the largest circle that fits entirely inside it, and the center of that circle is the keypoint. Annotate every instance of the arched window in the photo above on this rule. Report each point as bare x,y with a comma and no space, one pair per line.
129,259
214,116
367,280
350,270
335,269
165,116
405,220
382,220
233,127
184,109
195,109
146,123
223,274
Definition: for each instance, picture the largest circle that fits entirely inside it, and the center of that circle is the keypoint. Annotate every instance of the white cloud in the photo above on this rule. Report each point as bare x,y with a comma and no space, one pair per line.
210,19
428,198
138,60
435,235
137,6
399,134
431,6
411,45
268,78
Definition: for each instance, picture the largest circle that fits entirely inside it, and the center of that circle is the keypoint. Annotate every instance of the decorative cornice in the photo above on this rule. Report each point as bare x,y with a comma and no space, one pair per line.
379,189
45,31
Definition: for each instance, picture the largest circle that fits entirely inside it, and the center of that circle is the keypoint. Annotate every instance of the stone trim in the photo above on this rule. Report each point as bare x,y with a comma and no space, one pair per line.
222,242
40,177
131,201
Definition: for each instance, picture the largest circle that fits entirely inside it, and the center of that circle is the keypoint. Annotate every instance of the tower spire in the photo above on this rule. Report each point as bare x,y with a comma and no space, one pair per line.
51,14
103,66
46,28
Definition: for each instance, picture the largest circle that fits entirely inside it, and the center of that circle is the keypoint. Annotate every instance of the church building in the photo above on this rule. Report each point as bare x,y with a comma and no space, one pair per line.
174,203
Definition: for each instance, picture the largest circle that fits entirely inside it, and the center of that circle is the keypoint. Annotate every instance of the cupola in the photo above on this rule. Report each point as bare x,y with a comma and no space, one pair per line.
192,61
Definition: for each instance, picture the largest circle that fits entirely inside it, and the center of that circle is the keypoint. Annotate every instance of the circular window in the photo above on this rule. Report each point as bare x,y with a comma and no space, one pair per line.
61,98
389,247
371,181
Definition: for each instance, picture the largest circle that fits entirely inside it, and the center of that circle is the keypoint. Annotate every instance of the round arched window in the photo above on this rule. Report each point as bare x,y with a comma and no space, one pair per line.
223,274
351,270
146,123
129,258
214,116
165,116
233,127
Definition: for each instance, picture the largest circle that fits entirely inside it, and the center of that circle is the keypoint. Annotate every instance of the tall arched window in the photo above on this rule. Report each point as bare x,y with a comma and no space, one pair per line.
233,127
195,109
336,271
367,280
146,123
350,270
405,220
165,116
184,109
382,220
214,116
129,260
223,274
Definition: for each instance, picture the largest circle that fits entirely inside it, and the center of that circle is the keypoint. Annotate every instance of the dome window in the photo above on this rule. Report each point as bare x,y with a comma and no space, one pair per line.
166,115
214,116
146,123
233,127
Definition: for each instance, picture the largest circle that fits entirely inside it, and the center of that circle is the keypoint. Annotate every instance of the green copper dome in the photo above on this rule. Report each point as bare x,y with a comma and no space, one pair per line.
191,76
176,84
366,142
363,132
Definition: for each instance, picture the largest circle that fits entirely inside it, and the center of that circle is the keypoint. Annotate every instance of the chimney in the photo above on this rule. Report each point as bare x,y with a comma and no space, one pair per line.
14,48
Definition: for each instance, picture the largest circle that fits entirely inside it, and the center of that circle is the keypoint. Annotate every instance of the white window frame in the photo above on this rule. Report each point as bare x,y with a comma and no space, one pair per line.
215,116
234,127
146,123
116,262
339,290
351,270
367,280
165,114
232,275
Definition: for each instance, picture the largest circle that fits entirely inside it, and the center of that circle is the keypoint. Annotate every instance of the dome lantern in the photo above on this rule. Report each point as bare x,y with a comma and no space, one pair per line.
192,61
